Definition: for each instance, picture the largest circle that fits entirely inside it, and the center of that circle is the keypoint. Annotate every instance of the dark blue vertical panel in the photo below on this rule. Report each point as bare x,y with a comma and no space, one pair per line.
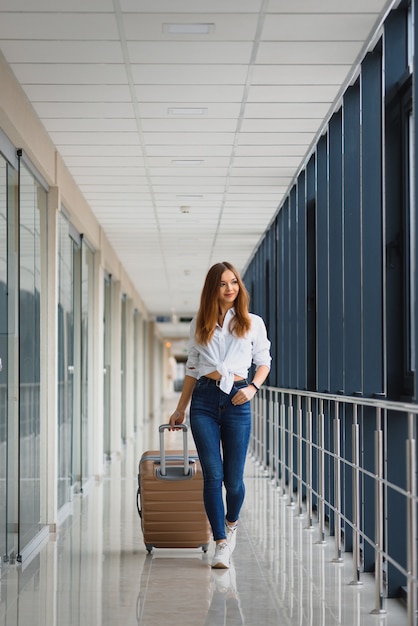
395,72
322,294
372,218
415,268
279,305
260,304
395,67
336,354
256,305
352,238
322,277
293,382
271,297
352,271
301,282
311,275
336,247
286,292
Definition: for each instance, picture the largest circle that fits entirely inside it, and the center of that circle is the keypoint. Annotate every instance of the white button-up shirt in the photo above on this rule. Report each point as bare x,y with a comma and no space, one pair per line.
228,354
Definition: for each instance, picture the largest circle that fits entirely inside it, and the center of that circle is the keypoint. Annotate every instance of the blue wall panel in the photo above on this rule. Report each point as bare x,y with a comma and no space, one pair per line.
301,284
322,267
336,245
372,224
352,239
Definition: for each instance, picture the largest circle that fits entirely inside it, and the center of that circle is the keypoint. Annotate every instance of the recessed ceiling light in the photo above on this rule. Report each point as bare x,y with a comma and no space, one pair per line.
189,196
188,29
187,111
187,162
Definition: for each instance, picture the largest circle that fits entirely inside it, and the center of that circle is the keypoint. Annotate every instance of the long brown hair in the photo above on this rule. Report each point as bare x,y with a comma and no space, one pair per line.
208,313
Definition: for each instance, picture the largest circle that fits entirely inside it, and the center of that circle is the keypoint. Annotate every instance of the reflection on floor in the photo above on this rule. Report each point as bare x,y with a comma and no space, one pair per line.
96,572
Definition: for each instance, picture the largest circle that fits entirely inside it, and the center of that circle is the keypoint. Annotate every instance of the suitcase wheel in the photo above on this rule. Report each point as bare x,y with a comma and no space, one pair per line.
149,548
205,547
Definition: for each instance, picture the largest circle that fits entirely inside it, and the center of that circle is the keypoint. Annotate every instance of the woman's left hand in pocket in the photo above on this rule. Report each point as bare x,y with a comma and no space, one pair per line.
245,394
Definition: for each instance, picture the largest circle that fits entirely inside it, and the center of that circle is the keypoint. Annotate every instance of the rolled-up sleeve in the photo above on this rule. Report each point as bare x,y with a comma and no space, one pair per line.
261,343
192,363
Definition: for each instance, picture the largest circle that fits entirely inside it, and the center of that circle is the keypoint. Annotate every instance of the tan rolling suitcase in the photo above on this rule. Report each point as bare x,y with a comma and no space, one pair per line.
170,498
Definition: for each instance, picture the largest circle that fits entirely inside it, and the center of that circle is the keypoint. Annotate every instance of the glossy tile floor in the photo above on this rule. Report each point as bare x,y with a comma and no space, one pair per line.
96,572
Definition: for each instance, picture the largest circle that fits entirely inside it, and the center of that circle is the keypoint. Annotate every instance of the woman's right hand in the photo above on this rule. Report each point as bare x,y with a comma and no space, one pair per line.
176,418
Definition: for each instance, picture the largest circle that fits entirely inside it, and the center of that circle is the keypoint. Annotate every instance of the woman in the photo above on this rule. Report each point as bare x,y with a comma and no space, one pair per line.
225,339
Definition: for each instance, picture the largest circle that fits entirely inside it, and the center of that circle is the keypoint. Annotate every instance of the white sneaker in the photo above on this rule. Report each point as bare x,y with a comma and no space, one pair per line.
231,536
222,556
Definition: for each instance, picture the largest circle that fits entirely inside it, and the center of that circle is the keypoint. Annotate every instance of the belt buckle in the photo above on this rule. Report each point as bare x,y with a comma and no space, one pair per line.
218,382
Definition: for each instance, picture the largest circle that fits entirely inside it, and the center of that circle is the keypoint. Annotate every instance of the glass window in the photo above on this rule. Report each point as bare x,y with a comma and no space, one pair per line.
65,361
87,276
8,361
106,365
33,199
3,356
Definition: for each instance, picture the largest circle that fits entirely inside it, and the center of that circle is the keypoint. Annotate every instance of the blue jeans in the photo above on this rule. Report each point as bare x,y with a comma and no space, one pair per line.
221,432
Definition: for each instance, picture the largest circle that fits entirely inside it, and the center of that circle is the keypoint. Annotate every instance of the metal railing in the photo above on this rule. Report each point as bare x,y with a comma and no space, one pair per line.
350,462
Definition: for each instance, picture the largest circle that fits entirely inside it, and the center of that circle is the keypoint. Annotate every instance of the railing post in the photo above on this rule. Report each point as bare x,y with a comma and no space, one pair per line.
254,419
259,445
321,472
411,468
275,441
379,516
282,446
300,470
337,485
270,467
259,436
356,498
290,448
309,524
263,429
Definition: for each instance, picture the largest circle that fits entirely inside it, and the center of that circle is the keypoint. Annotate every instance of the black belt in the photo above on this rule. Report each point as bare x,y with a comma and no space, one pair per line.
217,383
212,381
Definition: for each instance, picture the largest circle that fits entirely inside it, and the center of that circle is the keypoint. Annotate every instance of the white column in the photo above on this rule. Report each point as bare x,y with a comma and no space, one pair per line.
129,373
115,369
97,357
49,362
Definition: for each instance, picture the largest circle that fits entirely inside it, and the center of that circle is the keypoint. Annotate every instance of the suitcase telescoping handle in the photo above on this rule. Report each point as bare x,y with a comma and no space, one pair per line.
163,469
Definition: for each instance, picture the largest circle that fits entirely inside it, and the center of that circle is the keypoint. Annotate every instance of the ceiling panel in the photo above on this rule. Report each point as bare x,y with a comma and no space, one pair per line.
189,52
54,6
189,74
53,73
62,51
59,26
292,93
78,93
309,52
84,109
122,98
304,75
184,93
187,6
325,6
308,27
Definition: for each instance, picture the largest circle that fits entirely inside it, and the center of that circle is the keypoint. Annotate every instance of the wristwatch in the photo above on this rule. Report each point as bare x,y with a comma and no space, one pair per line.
255,385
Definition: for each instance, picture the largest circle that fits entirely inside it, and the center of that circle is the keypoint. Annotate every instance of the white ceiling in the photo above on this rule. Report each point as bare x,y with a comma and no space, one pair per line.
104,77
